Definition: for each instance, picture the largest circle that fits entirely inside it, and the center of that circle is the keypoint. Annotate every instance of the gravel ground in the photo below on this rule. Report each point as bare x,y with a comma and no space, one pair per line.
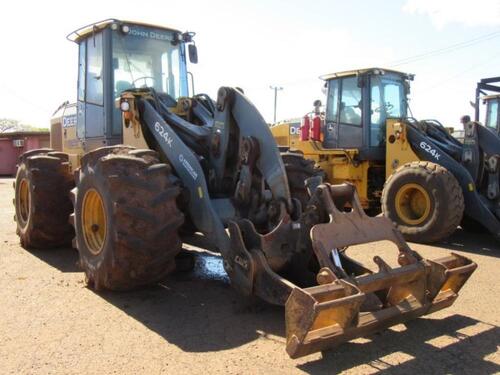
194,322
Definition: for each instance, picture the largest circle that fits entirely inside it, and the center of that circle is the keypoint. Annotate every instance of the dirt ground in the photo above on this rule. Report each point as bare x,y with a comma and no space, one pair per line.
195,323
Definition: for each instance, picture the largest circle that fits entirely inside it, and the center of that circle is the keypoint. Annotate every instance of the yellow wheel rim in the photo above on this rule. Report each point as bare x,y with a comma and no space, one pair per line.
24,200
93,221
413,204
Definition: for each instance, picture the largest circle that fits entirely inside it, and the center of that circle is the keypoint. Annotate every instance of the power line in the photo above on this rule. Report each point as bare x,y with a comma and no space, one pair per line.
491,60
407,60
443,50
32,104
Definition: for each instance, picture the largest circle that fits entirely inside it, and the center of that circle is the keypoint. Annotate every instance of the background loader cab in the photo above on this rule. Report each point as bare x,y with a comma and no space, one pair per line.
357,107
488,92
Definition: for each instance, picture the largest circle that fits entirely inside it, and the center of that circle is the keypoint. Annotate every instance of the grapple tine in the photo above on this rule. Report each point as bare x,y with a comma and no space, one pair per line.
339,310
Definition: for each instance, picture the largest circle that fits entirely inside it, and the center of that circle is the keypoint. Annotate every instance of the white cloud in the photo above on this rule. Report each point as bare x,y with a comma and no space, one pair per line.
444,12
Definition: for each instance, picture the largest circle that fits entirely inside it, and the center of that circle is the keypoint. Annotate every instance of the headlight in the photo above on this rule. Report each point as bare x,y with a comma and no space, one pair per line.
125,29
124,106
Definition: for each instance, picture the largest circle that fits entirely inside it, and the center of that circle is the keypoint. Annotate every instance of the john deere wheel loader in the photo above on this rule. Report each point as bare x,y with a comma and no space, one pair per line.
421,178
159,161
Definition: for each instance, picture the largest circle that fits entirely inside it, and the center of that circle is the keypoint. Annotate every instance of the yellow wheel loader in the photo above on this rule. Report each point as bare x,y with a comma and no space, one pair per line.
422,178
138,166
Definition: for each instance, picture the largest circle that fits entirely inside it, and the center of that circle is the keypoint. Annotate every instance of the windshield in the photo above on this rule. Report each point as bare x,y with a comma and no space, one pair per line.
146,57
388,99
492,114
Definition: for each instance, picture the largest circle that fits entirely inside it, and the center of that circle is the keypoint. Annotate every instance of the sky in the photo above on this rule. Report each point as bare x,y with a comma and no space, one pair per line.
449,45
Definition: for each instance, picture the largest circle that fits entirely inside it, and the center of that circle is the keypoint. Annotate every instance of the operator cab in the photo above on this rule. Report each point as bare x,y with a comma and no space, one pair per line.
358,104
488,91
115,56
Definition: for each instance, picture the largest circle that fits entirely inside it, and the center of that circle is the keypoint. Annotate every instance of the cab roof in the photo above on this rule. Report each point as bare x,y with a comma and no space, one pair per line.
86,30
491,97
358,72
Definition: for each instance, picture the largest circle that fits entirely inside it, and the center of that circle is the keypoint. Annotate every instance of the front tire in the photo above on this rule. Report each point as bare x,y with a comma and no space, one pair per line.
126,218
424,200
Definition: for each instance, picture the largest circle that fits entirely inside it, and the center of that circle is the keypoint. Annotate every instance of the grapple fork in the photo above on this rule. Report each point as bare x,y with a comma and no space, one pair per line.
353,301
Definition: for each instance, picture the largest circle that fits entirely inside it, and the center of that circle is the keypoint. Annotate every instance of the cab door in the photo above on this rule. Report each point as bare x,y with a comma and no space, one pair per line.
80,106
332,115
344,125
90,111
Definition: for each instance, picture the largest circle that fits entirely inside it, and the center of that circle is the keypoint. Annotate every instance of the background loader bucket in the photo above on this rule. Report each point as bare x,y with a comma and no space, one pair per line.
346,304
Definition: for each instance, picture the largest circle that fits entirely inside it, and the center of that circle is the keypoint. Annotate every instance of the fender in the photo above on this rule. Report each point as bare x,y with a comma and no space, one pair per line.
476,206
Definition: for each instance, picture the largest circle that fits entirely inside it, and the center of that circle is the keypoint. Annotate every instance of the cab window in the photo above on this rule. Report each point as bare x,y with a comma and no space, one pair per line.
332,101
350,102
387,100
94,85
492,115
81,71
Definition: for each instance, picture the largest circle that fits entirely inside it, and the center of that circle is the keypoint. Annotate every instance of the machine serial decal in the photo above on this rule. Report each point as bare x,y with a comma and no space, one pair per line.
427,148
164,134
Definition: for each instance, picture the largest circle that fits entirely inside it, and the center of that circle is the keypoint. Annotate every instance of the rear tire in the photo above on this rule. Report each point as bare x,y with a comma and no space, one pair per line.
424,200
126,218
42,203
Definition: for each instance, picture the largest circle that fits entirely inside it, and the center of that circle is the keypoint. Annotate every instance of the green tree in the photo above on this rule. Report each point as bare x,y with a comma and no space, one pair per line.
7,124
11,125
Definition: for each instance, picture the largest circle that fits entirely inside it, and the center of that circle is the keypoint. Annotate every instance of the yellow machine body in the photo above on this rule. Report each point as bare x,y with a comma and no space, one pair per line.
341,165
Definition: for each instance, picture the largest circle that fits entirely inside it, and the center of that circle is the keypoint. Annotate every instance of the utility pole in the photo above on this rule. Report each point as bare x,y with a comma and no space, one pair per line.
275,88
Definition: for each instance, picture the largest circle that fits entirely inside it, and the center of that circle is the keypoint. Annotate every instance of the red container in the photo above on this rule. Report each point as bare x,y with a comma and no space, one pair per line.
305,127
316,128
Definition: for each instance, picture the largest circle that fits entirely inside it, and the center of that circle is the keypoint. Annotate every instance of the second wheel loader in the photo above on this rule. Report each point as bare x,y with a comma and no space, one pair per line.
146,173
422,178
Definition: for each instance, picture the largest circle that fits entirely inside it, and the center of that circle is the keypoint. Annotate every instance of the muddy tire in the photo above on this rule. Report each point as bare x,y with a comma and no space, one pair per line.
42,203
424,200
299,169
126,218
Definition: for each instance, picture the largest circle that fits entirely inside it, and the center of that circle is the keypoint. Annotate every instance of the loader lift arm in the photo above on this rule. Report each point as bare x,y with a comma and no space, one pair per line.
173,135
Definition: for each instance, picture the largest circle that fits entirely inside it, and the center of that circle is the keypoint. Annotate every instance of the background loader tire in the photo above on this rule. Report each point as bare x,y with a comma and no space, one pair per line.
299,169
42,203
424,200
126,218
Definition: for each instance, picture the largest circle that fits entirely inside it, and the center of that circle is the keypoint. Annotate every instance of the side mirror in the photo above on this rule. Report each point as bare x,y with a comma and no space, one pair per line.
193,53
